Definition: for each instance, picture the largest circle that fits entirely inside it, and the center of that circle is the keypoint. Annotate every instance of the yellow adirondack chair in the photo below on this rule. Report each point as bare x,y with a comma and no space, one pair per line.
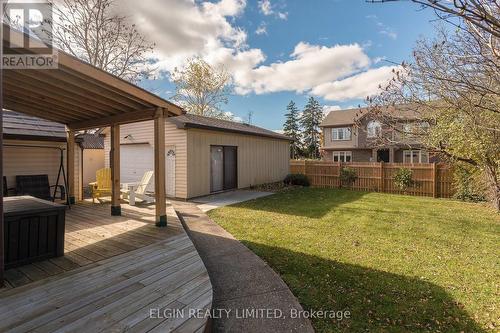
102,185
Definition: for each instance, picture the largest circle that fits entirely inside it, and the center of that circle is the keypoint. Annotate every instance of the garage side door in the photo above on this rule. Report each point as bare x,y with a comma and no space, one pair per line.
135,160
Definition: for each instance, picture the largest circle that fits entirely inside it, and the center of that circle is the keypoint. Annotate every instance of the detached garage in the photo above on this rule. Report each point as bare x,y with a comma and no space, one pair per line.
204,155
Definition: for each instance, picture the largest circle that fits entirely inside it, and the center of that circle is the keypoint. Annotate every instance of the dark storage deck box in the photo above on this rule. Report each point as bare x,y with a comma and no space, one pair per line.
33,230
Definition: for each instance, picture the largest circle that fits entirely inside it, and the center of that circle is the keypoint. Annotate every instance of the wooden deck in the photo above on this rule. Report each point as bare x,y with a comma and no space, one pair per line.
114,272
93,235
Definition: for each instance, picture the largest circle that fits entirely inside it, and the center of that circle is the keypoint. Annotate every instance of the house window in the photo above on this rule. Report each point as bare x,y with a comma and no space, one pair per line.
341,133
373,129
410,129
342,156
415,156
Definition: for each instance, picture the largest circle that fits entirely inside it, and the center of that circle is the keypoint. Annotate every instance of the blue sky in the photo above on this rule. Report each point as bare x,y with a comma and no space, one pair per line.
288,50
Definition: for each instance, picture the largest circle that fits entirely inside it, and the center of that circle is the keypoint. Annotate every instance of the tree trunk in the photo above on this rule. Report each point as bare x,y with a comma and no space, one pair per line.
494,184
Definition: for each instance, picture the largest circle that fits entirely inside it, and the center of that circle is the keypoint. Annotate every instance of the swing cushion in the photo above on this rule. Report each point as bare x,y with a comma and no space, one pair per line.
37,186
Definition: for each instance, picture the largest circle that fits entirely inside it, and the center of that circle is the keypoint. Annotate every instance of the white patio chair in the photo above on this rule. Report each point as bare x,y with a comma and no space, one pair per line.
132,191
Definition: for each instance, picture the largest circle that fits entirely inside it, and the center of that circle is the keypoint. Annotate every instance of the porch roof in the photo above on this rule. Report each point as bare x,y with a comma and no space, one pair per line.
78,94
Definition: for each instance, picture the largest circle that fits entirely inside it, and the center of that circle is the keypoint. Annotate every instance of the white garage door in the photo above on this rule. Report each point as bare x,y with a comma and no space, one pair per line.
135,160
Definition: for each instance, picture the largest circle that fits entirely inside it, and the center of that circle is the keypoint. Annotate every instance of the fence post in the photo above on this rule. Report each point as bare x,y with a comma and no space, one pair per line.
382,176
340,172
434,180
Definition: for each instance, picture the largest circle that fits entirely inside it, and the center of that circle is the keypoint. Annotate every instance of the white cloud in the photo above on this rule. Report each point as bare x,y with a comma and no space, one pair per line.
367,44
379,59
261,29
265,7
383,29
184,28
310,66
389,33
232,116
228,7
357,86
329,108
283,15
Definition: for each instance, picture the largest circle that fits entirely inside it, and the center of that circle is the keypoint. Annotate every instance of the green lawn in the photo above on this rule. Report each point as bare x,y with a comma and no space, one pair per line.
396,263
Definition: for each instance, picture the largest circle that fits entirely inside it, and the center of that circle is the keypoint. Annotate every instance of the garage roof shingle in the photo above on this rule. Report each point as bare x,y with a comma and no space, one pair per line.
194,121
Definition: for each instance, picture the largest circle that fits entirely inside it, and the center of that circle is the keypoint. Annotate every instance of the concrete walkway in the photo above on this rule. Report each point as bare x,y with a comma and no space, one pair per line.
213,201
241,280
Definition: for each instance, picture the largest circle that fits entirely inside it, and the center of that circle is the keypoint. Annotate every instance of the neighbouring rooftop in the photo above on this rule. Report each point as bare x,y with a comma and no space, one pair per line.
350,116
20,126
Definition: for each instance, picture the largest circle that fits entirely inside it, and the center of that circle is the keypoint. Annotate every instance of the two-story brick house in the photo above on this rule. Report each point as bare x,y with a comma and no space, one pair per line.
353,136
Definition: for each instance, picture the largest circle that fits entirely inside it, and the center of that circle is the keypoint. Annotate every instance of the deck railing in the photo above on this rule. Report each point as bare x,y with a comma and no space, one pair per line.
431,179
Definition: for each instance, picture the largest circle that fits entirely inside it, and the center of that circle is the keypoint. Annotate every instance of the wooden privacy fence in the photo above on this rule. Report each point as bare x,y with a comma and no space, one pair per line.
432,179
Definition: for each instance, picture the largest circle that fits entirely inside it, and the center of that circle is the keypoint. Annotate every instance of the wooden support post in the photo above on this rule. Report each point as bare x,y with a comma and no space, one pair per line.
434,181
160,199
382,176
391,155
115,171
70,159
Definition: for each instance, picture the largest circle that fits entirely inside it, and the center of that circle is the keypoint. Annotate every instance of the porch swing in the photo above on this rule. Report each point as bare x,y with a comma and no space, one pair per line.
38,185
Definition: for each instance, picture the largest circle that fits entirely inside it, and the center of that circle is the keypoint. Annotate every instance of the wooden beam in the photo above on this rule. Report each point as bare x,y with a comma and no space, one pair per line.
75,65
47,102
159,147
70,159
68,64
10,105
115,170
93,88
43,107
16,104
32,88
55,84
124,118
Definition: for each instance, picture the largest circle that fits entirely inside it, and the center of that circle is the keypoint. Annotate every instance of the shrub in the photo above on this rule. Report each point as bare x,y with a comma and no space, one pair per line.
403,179
296,179
348,176
468,183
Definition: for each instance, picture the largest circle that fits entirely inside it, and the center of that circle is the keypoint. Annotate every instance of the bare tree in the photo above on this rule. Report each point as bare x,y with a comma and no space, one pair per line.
480,18
452,89
89,30
202,88
481,13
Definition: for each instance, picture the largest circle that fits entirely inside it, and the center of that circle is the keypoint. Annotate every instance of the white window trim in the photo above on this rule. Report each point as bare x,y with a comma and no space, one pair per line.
345,130
342,156
376,133
421,153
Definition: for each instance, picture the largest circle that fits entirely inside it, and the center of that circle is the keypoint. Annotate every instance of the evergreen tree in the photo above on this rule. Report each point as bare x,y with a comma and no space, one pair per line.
291,128
310,121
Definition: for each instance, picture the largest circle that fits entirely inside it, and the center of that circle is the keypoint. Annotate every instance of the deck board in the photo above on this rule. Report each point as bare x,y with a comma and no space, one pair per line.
92,235
115,270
